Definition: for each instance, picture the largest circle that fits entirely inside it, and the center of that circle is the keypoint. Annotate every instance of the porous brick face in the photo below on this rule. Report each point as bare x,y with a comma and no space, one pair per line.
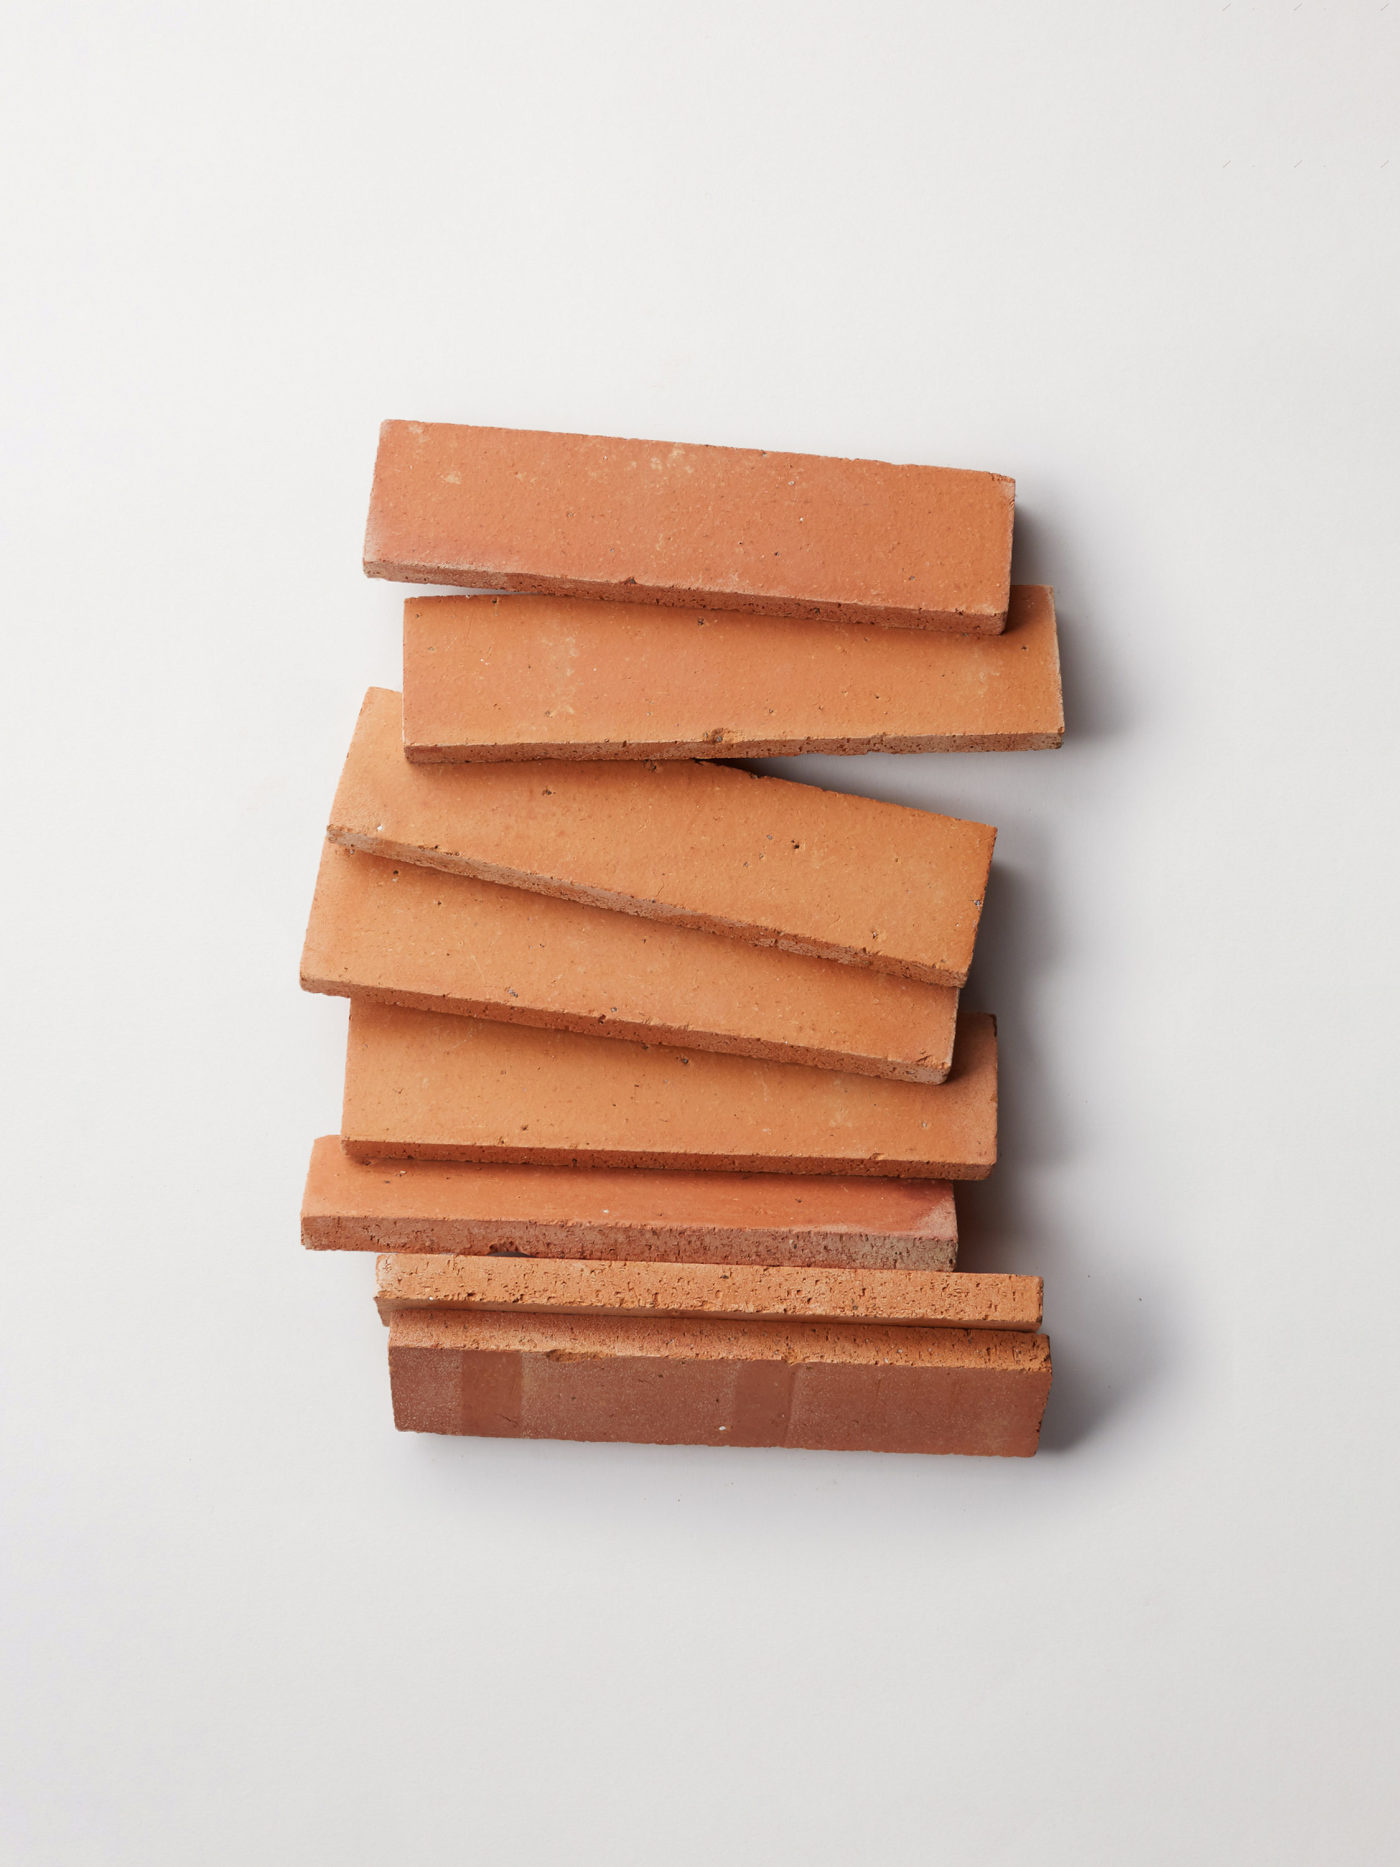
946,1299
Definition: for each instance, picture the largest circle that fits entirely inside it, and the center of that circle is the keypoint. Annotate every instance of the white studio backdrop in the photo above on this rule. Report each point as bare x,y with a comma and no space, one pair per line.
1142,257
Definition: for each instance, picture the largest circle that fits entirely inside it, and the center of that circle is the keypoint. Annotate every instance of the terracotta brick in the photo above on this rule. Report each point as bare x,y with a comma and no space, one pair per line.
700,845
943,1299
514,677
822,1386
425,1085
727,528
414,936
631,1214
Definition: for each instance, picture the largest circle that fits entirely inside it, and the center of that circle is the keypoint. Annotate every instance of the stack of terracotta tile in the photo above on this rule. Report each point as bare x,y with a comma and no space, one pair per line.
656,1082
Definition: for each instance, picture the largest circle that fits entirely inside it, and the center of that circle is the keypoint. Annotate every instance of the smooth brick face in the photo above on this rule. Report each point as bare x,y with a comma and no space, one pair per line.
415,936
960,1300
699,845
795,535
425,1085
512,677
599,1213
822,1386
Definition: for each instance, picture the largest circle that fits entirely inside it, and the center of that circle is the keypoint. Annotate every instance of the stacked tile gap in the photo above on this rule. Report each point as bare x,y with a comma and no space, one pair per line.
656,1080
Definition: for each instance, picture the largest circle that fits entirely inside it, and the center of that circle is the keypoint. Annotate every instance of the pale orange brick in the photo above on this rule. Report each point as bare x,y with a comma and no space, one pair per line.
425,1085
620,1213
774,534
415,936
698,844
523,677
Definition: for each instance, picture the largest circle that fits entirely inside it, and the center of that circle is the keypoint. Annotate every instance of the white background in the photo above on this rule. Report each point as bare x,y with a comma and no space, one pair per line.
1141,256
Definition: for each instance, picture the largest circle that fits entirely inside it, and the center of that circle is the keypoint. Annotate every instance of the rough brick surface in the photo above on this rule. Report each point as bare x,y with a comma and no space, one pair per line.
945,1299
415,936
730,528
513,677
635,1215
426,1085
701,845
823,1386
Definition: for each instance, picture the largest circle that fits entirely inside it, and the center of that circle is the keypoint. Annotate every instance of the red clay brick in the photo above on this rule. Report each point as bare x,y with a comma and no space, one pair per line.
700,845
941,1299
424,1085
847,1387
523,677
414,936
630,1214
771,534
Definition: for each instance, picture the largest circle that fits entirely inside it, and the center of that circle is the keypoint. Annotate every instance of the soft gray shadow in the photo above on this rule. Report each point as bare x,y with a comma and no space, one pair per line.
1108,1318
1107,1341
1095,705
1017,943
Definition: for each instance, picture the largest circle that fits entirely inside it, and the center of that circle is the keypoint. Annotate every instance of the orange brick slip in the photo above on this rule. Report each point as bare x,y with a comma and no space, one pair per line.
415,936
798,535
631,1214
850,1387
700,845
507,677
945,1299
426,1085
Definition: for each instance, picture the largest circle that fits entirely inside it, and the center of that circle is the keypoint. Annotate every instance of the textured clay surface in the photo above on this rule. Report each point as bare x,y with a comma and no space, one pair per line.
700,845
430,1086
947,1299
630,1214
848,1387
508,677
415,936
796,535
